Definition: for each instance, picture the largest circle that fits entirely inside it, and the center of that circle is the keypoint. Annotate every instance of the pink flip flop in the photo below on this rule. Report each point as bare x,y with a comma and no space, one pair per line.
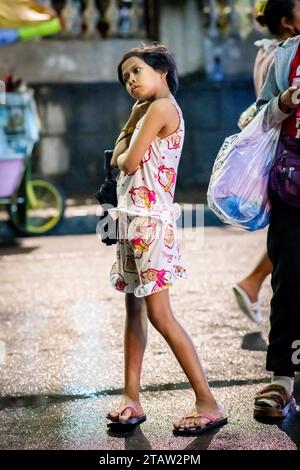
213,423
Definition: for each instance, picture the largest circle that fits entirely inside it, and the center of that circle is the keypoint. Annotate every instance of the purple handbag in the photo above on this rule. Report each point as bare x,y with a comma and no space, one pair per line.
285,172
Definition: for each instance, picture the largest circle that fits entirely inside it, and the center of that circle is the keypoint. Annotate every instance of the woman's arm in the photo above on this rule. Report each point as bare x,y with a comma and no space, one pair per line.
161,114
263,61
278,106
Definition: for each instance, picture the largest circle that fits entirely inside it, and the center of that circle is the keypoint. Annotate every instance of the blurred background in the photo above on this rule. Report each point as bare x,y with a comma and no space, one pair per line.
67,52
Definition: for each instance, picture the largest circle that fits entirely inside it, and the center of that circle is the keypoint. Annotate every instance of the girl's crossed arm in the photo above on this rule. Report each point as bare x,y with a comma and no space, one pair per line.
123,141
161,118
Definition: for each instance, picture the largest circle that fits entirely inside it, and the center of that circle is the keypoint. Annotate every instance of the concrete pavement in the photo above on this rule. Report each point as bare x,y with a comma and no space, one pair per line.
61,336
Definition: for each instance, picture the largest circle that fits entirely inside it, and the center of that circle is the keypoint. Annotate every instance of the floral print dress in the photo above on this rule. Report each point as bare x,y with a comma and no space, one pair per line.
148,253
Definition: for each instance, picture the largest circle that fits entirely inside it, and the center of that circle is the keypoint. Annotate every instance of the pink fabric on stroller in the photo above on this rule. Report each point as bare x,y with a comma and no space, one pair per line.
11,171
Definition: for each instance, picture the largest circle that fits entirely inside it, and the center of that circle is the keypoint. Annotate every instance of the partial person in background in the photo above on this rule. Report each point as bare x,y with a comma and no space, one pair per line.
279,99
280,18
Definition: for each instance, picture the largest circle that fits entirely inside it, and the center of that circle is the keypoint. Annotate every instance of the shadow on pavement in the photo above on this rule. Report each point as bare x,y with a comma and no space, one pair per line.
14,247
291,427
186,386
136,440
25,401
254,342
36,401
291,424
202,442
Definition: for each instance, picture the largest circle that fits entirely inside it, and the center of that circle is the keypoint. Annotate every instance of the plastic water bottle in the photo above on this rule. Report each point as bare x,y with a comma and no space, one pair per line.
218,73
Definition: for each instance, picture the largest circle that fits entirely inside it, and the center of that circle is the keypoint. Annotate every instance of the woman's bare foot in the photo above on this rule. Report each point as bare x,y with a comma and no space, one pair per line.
121,413
194,419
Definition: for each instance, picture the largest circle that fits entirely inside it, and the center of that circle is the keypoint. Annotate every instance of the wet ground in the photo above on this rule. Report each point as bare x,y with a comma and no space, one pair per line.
61,335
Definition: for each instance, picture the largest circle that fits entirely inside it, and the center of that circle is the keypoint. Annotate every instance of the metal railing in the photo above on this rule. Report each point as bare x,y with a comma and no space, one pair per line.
129,18
227,26
229,17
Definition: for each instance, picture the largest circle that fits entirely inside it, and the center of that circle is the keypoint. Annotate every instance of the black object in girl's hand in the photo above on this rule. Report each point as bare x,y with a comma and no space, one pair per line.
107,195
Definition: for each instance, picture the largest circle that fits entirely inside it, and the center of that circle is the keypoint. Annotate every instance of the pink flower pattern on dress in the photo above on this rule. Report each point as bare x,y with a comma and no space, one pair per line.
145,235
168,257
167,178
160,277
143,197
120,284
174,140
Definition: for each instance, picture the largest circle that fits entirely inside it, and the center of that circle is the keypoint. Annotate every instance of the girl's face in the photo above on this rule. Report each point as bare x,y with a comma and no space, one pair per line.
142,81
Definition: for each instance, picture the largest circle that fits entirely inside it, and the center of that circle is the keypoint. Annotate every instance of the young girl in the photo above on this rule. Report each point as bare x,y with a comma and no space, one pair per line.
278,96
147,152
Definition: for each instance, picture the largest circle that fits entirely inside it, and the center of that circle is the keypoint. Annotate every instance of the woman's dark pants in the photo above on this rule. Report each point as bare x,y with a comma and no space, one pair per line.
283,356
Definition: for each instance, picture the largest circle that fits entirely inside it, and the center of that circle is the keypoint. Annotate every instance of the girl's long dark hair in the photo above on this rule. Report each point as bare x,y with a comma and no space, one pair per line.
159,58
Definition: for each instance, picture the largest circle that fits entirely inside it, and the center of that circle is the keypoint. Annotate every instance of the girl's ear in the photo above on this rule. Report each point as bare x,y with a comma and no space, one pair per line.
287,26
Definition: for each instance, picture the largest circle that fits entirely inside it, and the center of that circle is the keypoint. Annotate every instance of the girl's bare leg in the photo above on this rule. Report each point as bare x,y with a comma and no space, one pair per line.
135,340
161,316
253,282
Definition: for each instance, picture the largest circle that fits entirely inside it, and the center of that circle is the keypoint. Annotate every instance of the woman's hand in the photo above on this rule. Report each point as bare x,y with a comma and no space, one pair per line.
290,99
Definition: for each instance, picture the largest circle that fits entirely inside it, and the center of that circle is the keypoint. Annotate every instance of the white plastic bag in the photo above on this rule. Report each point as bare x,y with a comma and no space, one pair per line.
247,116
238,188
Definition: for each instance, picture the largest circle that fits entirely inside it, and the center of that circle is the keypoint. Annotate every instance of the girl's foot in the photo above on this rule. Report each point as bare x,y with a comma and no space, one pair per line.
126,410
204,413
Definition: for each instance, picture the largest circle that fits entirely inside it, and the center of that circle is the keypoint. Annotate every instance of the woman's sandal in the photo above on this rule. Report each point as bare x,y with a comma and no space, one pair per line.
213,422
128,425
285,403
251,309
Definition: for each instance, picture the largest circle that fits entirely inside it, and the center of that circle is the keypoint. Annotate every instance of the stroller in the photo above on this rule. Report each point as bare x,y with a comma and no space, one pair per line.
35,205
